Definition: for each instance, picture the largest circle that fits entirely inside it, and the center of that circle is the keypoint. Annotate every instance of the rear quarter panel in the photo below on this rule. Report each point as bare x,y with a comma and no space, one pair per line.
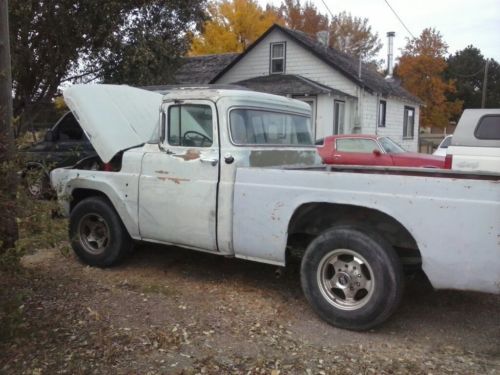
455,222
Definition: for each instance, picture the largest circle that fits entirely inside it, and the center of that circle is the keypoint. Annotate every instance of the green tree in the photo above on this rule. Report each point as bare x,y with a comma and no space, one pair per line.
83,40
421,68
154,37
466,68
48,40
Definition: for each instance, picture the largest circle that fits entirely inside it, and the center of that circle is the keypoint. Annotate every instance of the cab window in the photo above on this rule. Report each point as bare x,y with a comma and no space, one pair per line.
190,125
260,127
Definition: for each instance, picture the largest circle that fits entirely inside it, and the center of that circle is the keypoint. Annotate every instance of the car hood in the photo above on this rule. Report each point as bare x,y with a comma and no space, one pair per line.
115,117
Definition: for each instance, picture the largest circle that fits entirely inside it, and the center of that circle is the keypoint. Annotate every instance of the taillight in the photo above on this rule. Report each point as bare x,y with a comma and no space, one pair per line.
447,161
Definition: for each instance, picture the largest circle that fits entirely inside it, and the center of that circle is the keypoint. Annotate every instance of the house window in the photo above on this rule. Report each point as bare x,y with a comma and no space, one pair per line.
277,58
338,117
409,122
382,109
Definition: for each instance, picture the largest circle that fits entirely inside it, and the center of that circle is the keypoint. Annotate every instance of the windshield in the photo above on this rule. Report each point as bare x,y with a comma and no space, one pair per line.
390,146
258,127
446,142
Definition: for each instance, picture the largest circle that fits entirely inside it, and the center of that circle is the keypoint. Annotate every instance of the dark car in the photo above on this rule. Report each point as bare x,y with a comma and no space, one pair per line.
63,145
364,149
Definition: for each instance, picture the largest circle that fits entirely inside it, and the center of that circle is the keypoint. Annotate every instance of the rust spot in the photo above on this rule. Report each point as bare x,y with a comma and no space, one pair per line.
190,155
176,180
161,172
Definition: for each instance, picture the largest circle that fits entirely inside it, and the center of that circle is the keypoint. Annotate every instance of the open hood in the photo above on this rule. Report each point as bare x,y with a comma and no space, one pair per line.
115,117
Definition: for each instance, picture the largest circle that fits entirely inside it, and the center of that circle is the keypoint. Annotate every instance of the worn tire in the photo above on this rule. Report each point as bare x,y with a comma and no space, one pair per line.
353,254
97,233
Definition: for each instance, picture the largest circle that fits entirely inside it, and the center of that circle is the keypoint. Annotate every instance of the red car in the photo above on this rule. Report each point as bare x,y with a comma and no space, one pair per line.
358,149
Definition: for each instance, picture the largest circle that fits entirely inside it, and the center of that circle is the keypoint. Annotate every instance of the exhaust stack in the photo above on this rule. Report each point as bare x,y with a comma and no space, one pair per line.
390,54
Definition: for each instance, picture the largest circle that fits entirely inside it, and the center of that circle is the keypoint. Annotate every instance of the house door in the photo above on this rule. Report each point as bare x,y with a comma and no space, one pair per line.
338,117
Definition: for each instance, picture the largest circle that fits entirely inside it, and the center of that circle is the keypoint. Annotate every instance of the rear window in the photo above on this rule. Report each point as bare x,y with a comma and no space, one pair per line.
258,127
488,128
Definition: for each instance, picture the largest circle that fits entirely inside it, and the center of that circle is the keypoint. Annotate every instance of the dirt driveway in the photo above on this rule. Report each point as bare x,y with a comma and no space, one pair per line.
169,310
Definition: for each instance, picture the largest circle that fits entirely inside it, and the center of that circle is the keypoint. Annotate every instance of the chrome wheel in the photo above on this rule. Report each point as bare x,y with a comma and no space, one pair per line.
94,233
345,279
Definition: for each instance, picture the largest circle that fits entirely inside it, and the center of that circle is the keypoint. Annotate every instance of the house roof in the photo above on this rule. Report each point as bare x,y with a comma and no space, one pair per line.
371,80
202,69
289,84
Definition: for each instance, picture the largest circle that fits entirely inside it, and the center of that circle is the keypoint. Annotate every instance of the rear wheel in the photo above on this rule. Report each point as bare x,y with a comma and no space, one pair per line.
97,233
352,277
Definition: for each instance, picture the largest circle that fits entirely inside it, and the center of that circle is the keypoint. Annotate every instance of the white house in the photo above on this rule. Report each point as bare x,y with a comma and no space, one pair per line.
345,97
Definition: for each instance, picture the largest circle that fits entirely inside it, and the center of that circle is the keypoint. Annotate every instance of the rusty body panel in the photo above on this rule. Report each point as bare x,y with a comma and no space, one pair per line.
454,222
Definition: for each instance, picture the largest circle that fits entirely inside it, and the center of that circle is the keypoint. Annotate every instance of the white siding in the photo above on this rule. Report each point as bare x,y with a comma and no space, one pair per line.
302,62
394,124
298,61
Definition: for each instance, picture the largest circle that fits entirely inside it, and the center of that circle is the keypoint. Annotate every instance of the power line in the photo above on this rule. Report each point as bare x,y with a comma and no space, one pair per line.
328,9
399,18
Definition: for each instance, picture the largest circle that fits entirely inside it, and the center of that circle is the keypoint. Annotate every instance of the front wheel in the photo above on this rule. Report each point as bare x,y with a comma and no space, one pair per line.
97,233
352,277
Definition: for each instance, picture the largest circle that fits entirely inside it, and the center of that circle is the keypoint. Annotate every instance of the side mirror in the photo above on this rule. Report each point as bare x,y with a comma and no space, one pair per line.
49,136
377,152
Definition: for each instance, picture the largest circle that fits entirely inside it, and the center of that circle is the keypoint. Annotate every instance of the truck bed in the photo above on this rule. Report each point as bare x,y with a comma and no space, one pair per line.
453,217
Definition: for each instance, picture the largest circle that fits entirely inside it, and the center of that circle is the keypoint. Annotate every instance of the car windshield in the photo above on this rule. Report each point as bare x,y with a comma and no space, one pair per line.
390,146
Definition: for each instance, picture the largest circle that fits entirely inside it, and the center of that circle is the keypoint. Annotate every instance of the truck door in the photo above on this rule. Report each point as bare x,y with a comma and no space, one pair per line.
179,180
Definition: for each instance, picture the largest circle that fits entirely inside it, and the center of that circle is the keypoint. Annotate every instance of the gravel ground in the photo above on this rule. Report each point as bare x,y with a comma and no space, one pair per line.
173,311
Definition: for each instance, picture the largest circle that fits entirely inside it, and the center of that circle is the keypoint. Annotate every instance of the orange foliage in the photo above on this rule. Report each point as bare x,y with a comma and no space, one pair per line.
233,26
421,68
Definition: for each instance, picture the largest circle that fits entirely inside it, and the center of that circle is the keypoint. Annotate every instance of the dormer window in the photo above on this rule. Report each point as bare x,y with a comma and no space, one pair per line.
277,58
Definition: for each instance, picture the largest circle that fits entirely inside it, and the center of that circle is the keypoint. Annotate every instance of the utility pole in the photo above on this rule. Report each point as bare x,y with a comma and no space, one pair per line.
8,182
485,83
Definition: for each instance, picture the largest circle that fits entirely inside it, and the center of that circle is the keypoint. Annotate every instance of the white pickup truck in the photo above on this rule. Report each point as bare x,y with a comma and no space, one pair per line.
475,145
235,173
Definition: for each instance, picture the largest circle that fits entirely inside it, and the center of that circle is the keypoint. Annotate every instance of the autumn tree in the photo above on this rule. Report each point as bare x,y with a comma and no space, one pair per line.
305,17
354,36
466,68
420,69
232,26
347,33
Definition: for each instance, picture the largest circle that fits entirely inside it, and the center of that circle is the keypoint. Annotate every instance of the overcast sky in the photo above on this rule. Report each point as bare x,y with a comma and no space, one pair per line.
461,22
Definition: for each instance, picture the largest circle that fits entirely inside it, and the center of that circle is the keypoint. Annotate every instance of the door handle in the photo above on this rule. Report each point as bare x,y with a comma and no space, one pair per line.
336,156
212,161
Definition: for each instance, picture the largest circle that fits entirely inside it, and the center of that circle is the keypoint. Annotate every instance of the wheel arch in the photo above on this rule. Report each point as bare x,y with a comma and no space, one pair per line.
129,220
310,219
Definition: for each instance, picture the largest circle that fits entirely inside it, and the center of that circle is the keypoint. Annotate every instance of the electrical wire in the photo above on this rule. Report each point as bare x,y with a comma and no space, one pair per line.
328,9
399,18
